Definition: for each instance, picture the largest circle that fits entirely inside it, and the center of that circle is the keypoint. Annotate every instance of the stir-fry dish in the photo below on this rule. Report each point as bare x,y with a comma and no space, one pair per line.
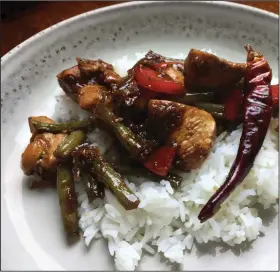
164,117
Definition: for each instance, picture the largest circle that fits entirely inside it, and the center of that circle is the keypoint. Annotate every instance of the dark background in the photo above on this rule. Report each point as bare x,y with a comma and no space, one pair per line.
21,20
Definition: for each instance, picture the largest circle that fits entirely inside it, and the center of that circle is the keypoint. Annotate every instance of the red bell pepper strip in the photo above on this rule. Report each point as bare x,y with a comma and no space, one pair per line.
256,119
151,80
160,162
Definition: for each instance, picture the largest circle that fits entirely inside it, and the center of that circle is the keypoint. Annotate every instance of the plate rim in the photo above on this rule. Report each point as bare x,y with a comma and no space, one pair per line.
35,38
122,7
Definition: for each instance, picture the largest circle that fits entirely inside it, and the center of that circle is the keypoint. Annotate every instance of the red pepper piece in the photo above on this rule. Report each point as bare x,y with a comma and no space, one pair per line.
275,95
233,105
151,80
160,162
256,119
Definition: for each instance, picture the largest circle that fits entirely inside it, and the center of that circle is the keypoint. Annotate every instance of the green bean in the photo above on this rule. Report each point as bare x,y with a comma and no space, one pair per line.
68,145
192,98
68,203
59,127
89,157
138,147
210,107
94,188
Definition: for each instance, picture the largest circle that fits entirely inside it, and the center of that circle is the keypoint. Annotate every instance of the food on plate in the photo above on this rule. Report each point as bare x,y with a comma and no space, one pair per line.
68,202
191,130
165,154
256,120
38,156
88,157
69,144
205,71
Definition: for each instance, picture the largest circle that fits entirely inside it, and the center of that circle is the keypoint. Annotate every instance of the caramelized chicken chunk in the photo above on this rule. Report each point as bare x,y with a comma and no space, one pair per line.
102,70
90,96
38,156
82,88
71,81
205,71
190,129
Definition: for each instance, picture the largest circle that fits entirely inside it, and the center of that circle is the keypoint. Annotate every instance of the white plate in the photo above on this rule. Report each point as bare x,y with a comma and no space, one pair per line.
32,236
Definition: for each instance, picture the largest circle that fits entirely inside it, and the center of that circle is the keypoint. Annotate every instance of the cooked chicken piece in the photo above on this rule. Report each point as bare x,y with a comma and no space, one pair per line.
163,117
71,81
205,71
90,96
38,155
190,129
90,66
82,88
102,70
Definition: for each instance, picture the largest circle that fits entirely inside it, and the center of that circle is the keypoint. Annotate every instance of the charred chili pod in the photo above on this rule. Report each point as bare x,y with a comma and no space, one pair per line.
60,127
68,203
90,157
256,119
137,146
68,145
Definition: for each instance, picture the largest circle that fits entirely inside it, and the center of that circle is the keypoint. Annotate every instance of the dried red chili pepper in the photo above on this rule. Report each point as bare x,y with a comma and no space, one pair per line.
256,119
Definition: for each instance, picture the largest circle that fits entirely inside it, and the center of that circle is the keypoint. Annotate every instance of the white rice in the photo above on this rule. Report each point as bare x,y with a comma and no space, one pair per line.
166,221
